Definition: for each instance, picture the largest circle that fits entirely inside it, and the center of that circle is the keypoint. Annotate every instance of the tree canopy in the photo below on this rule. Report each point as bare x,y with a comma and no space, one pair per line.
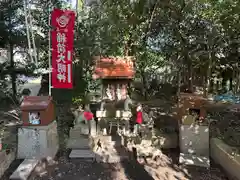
198,39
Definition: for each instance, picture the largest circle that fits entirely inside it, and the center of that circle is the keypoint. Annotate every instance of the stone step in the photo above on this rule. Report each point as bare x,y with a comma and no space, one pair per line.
190,159
111,155
111,158
78,143
83,154
78,131
105,138
24,169
75,134
107,141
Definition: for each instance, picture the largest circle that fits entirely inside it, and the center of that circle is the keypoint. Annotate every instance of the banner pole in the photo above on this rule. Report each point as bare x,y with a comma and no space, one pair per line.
49,52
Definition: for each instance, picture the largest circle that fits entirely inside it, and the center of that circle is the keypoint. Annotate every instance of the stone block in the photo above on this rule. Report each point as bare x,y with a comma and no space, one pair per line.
24,169
93,128
78,143
75,133
82,153
194,139
126,114
37,142
101,114
226,156
189,159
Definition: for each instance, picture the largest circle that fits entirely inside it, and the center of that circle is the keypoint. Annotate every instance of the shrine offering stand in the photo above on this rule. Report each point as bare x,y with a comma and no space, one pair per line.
122,117
37,138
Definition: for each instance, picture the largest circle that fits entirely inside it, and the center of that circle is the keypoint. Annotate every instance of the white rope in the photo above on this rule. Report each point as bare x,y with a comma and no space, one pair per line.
49,51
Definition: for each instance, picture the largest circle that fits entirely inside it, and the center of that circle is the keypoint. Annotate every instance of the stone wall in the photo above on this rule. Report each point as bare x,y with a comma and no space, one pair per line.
225,124
226,156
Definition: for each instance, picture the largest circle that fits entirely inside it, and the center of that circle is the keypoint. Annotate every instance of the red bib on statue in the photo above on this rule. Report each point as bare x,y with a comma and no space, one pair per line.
88,115
139,119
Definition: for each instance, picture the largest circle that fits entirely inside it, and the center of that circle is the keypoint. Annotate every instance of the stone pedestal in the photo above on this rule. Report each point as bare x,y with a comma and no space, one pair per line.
38,141
194,139
104,118
93,128
194,142
82,129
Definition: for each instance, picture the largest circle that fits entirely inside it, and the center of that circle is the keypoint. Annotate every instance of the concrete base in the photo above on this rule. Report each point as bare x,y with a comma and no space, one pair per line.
123,114
76,132
194,139
227,157
189,159
37,142
101,114
79,143
82,129
24,169
81,153
106,141
119,114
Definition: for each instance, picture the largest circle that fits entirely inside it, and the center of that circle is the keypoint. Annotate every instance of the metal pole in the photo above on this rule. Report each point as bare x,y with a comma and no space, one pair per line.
49,52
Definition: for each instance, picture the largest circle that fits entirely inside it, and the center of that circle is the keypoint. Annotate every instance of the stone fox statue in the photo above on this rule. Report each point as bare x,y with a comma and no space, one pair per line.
128,103
84,115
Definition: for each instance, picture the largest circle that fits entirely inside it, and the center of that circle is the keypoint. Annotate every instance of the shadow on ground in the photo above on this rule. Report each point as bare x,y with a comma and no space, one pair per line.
163,167
166,167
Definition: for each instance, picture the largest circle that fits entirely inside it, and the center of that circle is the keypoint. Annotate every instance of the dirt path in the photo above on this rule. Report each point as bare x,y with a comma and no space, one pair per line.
165,168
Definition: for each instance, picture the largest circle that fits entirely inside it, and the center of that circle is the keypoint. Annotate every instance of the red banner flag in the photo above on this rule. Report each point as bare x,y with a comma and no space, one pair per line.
62,34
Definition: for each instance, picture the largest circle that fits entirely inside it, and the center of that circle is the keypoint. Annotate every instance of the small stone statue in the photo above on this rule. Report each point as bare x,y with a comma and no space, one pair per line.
102,106
127,102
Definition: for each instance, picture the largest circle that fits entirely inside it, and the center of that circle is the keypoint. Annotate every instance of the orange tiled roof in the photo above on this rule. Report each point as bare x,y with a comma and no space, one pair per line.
122,67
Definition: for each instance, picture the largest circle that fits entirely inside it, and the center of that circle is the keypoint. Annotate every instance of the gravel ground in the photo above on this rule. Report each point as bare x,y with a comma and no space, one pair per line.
164,168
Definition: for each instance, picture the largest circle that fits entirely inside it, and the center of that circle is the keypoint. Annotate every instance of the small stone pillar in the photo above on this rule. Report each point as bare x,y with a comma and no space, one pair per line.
93,128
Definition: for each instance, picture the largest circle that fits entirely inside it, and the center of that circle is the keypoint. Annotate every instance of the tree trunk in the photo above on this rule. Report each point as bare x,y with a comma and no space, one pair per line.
179,79
237,76
230,84
145,86
224,83
211,86
178,87
190,73
208,76
217,85
13,73
64,120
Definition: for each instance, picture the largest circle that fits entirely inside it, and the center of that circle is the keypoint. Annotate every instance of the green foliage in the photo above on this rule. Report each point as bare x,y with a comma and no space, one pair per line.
200,36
